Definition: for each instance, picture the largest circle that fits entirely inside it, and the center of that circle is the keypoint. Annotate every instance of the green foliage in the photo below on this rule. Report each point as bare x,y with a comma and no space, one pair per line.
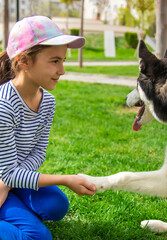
131,39
74,31
68,2
126,18
151,26
70,10
142,5
74,13
92,133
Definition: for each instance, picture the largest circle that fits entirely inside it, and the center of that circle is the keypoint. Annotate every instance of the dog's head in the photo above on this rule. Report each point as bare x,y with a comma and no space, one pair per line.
151,91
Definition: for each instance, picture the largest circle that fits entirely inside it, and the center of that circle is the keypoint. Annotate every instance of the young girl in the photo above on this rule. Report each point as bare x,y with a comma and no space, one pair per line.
31,65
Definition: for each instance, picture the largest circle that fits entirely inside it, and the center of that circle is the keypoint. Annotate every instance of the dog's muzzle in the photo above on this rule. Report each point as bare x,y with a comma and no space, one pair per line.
133,98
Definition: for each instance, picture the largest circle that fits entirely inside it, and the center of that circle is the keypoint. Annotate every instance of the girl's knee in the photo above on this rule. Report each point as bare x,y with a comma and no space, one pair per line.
64,209
59,208
54,205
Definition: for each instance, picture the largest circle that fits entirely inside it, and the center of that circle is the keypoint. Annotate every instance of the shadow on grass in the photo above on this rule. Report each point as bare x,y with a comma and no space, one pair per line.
77,230
94,49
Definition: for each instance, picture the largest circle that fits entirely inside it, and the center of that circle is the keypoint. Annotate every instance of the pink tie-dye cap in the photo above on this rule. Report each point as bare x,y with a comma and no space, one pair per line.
31,31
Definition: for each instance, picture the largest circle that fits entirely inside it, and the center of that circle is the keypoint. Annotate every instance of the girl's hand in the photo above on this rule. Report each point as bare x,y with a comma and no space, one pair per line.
79,185
3,192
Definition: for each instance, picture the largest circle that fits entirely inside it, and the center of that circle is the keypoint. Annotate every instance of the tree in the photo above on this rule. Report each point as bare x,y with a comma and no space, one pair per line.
5,23
17,10
150,29
142,6
68,3
125,18
81,33
161,28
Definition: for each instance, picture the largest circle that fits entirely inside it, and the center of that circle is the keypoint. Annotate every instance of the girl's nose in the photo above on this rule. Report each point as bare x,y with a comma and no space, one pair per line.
61,70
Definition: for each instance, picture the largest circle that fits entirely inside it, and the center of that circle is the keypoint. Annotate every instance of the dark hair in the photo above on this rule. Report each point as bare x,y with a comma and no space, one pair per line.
6,72
9,68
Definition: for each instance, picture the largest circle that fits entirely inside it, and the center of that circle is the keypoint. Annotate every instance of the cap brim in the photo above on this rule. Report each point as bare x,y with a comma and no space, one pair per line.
70,40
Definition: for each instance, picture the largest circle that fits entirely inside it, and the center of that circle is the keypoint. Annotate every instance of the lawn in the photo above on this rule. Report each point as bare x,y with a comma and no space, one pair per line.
92,133
131,71
94,49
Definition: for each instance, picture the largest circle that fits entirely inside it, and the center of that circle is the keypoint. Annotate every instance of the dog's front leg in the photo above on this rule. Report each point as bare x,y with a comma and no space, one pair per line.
150,183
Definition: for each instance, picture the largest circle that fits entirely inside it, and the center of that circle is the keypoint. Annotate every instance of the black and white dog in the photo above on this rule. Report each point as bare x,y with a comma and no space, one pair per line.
151,95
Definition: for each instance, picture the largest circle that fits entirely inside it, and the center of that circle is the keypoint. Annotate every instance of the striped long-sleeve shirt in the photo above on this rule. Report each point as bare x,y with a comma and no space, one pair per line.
24,137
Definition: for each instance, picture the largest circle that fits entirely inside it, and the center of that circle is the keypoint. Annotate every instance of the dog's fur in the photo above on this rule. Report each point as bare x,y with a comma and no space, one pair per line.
151,95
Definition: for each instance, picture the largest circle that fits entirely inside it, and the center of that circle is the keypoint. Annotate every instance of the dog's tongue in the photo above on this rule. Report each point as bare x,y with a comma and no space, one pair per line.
136,125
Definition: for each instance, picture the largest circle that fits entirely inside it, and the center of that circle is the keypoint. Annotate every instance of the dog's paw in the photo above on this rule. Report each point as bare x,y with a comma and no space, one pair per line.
101,183
87,177
154,225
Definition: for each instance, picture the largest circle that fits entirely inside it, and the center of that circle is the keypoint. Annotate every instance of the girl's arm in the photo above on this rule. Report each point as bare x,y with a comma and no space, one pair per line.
11,173
38,153
76,183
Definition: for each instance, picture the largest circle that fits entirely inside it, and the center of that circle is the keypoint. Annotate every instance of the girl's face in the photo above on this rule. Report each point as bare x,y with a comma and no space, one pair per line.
48,67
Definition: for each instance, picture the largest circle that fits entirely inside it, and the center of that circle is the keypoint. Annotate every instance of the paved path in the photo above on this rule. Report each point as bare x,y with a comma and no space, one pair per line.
100,78
103,63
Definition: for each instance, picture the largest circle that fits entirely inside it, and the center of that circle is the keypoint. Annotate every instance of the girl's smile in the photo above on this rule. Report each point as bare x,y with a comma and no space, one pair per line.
48,67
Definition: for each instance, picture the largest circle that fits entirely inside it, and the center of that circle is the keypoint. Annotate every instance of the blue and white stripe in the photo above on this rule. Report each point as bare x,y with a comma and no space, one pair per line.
24,136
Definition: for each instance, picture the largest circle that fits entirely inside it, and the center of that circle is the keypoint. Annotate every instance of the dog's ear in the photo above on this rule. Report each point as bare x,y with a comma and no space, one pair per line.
144,53
142,49
147,59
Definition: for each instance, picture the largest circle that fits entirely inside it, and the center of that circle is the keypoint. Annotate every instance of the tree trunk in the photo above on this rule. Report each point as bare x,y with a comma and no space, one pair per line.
161,28
17,10
5,24
81,33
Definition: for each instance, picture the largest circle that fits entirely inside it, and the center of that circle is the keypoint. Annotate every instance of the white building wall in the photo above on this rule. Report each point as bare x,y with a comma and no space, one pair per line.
108,14
90,9
114,6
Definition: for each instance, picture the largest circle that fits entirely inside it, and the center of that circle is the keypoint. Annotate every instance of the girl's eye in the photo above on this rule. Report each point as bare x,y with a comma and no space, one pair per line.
56,61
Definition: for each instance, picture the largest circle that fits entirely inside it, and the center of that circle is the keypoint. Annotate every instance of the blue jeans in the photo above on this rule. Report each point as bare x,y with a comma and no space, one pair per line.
22,213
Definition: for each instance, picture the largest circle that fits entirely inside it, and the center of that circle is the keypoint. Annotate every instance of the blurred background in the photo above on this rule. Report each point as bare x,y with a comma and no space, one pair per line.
110,26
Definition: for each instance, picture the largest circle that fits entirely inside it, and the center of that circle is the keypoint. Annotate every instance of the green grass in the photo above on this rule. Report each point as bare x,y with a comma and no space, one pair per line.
131,71
92,133
94,50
